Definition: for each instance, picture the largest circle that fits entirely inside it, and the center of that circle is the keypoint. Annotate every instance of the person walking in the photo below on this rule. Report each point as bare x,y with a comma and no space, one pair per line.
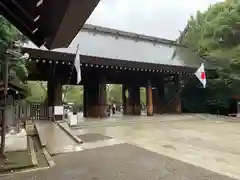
113,109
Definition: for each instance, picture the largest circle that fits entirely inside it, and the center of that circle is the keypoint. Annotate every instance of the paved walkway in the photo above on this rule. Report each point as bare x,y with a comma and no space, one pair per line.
211,144
54,138
119,119
171,147
118,162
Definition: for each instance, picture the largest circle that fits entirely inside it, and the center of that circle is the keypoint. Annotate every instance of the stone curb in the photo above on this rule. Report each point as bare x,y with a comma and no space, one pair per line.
123,123
219,118
25,170
32,151
42,142
20,169
50,161
75,138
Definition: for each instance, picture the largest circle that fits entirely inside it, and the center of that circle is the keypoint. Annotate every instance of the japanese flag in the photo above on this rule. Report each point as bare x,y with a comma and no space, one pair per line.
201,75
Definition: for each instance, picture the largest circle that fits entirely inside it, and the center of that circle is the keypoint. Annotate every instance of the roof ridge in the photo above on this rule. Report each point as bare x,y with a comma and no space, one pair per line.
127,34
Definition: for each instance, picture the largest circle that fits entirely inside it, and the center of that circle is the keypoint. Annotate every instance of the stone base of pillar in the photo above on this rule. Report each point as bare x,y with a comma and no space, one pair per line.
150,110
95,100
131,100
149,114
178,105
129,110
97,112
58,117
175,107
137,110
158,109
93,111
103,111
133,110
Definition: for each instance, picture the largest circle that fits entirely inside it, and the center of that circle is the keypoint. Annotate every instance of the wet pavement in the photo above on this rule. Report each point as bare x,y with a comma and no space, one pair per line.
54,138
212,144
168,147
118,162
119,119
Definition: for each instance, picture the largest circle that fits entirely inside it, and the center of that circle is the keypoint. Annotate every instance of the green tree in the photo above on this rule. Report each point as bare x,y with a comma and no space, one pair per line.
74,94
215,36
114,93
11,56
143,95
10,41
38,93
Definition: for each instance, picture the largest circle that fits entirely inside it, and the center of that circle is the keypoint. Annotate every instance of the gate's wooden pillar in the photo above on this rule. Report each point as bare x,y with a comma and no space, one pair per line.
158,98
54,90
131,100
90,99
50,85
50,98
102,100
58,94
124,98
85,100
155,99
178,101
149,99
50,93
94,101
134,98
58,99
175,105
55,97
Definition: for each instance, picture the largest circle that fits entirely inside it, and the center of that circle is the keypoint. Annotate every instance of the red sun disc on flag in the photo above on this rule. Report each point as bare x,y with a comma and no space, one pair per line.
203,75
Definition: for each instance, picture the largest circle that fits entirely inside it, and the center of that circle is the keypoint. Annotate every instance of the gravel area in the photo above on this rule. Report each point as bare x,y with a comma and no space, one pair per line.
118,162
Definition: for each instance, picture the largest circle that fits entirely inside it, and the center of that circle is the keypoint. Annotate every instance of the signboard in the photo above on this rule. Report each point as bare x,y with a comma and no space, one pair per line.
58,110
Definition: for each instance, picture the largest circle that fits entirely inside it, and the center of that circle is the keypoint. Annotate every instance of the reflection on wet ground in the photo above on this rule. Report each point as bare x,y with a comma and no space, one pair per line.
212,143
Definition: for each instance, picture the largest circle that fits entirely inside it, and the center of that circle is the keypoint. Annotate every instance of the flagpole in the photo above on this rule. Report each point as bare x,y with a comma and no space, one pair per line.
72,68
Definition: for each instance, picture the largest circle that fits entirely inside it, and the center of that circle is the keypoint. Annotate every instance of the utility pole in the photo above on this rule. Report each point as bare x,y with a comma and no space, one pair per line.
3,131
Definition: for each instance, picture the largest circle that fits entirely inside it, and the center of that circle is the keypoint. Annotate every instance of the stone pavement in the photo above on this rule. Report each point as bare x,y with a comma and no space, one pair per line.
167,148
54,138
211,144
119,119
118,162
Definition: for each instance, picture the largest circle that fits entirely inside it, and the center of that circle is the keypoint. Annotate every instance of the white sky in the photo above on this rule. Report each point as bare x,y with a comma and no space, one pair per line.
160,18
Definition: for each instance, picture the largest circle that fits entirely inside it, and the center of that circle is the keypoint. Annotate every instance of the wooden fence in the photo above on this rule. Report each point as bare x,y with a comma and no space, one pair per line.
39,112
19,112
